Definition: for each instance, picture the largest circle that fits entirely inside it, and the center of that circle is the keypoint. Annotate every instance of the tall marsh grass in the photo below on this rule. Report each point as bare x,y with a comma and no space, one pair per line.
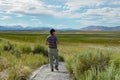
23,55
93,65
19,61
38,49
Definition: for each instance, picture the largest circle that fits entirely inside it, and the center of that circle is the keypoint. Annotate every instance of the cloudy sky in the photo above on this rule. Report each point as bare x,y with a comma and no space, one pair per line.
60,13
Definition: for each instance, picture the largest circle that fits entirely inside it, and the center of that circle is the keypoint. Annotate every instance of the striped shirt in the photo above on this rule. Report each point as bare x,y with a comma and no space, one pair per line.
51,39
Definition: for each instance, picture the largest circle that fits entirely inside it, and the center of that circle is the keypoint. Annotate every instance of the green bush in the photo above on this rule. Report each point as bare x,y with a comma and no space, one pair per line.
38,49
61,58
87,61
19,68
8,46
26,49
110,73
116,63
16,52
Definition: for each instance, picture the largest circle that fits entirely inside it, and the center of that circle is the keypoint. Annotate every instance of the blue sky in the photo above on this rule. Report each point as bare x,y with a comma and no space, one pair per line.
60,13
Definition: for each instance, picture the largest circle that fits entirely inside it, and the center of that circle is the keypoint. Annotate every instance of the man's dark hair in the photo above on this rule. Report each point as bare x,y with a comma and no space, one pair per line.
51,31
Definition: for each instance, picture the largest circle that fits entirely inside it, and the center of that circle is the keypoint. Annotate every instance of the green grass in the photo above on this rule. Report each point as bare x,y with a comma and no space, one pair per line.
84,37
89,65
88,55
19,61
92,62
18,67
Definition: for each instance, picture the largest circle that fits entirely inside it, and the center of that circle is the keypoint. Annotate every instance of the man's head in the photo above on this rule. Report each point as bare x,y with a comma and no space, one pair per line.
52,31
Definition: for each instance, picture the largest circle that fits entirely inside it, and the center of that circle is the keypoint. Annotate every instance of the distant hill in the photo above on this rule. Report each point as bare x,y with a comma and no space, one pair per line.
100,28
18,27
23,28
44,28
11,27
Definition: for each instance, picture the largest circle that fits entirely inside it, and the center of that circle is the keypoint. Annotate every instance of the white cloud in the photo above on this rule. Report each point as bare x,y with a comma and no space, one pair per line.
57,26
5,17
14,24
38,8
33,8
111,20
29,7
34,19
104,12
73,5
88,22
99,16
106,15
54,6
36,22
114,2
19,15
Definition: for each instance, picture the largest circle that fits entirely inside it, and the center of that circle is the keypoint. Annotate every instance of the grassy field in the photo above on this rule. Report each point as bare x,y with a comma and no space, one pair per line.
89,55
74,37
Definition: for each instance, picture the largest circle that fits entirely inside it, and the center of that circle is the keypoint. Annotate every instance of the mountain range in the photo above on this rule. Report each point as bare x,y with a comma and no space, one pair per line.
44,28
101,28
18,27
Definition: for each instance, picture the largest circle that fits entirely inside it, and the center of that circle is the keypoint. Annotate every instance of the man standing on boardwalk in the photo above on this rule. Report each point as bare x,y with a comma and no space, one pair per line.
52,42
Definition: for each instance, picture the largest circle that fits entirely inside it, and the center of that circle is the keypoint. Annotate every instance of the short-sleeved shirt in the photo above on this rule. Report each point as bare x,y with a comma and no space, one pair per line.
52,41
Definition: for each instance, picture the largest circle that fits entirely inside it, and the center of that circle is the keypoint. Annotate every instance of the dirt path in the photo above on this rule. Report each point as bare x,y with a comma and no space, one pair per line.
44,73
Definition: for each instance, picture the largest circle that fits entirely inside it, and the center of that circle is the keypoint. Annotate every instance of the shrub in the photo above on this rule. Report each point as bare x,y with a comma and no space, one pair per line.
16,51
61,58
84,62
110,73
0,40
26,49
116,63
19,68
38,49
8,46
